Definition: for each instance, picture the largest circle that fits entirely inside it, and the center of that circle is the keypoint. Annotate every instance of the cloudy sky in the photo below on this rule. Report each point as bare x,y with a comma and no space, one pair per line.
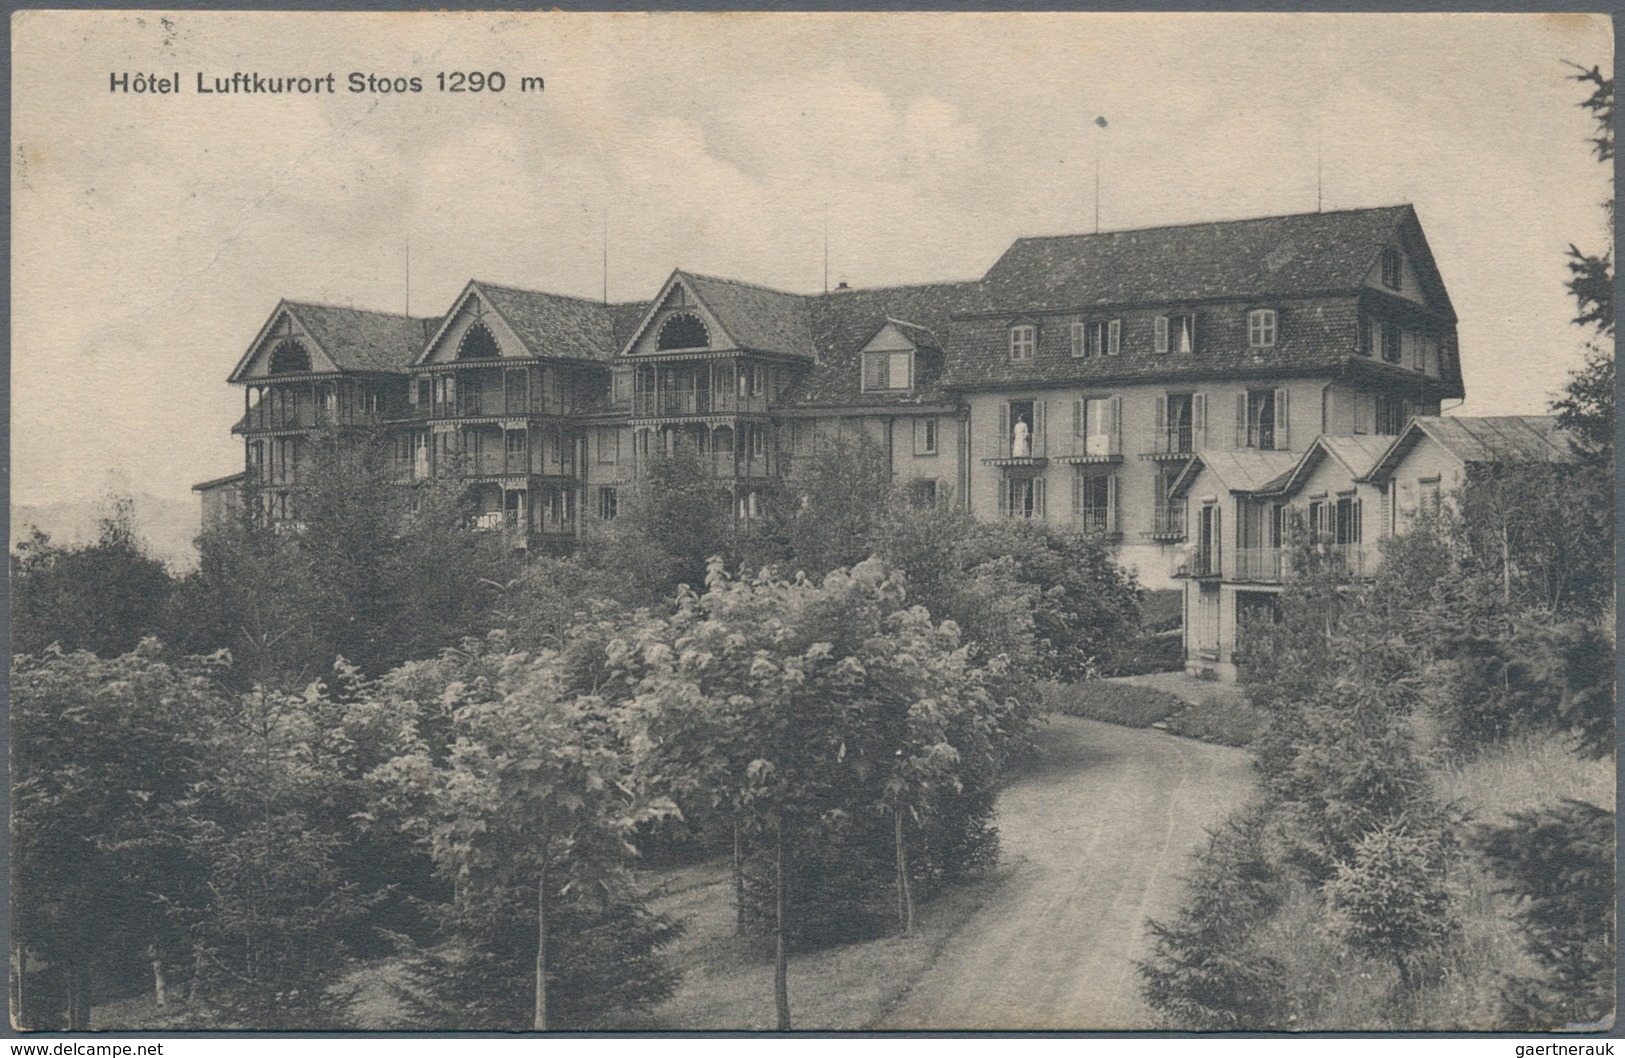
154,234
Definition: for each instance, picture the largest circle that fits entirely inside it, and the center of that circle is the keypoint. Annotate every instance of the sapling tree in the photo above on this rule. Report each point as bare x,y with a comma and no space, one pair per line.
533,798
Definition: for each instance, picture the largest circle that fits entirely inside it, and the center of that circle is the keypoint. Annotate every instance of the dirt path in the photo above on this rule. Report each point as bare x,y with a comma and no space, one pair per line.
1098,836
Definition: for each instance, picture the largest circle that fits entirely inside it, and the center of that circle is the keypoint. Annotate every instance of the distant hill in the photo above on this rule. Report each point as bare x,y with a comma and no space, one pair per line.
166,526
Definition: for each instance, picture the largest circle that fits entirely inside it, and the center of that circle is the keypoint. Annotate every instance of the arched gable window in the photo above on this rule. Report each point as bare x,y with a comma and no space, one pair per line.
683,331
478,344
288,357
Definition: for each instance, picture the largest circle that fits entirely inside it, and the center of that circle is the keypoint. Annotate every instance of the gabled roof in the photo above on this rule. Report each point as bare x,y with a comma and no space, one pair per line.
1515,439
845,320
1291,256
352,339
215,483
1248,471
918,336
548,325
1357,454
758,318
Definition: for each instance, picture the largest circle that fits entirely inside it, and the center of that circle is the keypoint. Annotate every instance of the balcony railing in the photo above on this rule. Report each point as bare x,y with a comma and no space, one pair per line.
658,404
1169,441
1199,563
1272,565
1259,564
1168,521
1102,447
1095,519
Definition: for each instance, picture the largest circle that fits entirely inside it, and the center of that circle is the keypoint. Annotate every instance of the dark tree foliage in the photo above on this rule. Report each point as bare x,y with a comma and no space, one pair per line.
604,960
1207,972
99,749
670,524
828,513
1389,901
1558,862
104,596
375,572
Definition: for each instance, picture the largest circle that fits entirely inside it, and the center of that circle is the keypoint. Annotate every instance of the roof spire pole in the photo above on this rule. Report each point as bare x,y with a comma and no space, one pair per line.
1100,123
826,247
409,275
1319,168
606,257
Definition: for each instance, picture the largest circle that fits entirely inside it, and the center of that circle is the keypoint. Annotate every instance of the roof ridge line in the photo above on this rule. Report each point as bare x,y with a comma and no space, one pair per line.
544,293
1216,223
742,283
290,302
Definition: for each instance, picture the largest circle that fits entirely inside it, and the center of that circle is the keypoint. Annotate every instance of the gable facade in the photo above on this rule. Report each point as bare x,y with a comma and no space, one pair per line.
1074,383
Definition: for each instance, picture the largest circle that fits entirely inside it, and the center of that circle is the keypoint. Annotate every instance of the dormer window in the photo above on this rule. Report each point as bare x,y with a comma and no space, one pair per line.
1261,328
1176,333
1390,268
1097,338
888,370
683,330
289,356
478,344
1023,341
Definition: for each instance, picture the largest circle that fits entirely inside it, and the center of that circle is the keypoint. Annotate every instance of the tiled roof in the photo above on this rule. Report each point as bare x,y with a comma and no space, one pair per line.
360,340
1290,256
1315,335
759,318
626,315
843,320
922,337
554,324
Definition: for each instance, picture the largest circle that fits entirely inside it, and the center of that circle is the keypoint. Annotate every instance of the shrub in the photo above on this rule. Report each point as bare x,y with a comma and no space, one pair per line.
1207,972
1123,704
1559,862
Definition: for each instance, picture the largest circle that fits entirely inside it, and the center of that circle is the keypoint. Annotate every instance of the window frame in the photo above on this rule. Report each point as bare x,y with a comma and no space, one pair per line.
1023,336
1263,328
926,439
1392,268
887,359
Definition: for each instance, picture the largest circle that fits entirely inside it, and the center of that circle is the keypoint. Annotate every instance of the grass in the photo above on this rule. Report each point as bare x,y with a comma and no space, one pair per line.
1524,773
728,980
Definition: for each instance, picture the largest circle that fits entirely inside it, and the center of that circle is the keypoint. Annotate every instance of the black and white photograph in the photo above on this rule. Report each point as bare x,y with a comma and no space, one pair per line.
704,522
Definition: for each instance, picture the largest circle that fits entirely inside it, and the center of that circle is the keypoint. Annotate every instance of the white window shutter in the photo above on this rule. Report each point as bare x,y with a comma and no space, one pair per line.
1114,337
1161,334
1241,420
1114,429
1004,429
1077,419
1283,417
1038,499
1077,339
1199,421
1038,427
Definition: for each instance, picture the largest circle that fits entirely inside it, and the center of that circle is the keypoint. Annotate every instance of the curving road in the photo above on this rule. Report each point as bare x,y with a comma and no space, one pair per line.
1098,836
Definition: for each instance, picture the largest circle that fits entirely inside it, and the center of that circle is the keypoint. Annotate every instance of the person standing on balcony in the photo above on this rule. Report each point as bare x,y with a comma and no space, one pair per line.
1021,439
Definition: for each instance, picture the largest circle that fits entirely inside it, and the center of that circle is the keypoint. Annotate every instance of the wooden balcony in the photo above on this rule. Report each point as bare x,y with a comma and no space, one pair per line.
1167,522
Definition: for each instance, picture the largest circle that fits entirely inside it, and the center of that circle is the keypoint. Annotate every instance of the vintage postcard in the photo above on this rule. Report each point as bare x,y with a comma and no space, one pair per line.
688,522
